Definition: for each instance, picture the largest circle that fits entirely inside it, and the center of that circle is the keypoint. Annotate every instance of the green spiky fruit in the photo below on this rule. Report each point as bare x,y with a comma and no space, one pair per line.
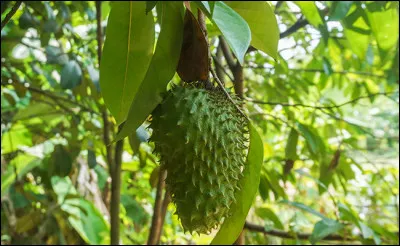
201,139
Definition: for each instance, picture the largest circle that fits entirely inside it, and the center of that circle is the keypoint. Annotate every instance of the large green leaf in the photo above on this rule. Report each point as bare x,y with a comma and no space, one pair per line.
161,69
128,49
20,165
357,31
261,19
314,142
385,27
233,27
85,217
324,228
267,213
36,110
15,138
233,225
339,10
61,161
310,11
71,75
290,150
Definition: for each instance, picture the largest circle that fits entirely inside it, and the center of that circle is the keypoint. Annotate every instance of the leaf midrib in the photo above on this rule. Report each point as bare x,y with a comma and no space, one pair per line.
127,60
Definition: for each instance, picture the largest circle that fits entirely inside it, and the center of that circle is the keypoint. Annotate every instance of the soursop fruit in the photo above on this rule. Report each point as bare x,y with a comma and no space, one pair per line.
201,140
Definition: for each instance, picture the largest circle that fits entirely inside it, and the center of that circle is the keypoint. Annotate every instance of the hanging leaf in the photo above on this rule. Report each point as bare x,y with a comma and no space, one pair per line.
310,11
233,27
161,69
339,10
385,27
128,49
60,162
193,61
233,225
71,75
81,211
291,145
262,22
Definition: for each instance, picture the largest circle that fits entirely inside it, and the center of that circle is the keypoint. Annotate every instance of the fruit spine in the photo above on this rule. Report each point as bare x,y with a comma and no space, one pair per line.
201,140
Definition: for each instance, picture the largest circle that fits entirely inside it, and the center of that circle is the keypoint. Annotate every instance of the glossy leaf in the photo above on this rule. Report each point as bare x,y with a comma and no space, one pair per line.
291,145
339,10
127,53
262,22
385,27
233,27
161,69
71,75
233,225
21,165
324,228
310,11
314,142
82,211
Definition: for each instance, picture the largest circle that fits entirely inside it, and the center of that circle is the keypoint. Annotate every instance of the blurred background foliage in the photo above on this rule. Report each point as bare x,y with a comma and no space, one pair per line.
327,110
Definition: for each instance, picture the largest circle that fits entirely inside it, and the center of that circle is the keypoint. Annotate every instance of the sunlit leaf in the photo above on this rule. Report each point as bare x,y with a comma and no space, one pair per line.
233,27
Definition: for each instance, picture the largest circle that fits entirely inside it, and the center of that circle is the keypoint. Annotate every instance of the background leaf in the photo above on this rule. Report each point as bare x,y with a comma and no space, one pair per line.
310,11
71,75
324,228
385,27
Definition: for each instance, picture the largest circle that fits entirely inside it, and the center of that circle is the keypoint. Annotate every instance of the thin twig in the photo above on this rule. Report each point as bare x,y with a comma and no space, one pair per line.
221,68
116,192
157,211
290,235
10,14
164,207
321,107
226,93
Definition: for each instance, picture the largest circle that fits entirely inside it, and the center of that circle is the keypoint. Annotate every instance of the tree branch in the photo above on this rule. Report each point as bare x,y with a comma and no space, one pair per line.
227,54
116,192
290,235
164,207
10,14
322,107
155,229
296,26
